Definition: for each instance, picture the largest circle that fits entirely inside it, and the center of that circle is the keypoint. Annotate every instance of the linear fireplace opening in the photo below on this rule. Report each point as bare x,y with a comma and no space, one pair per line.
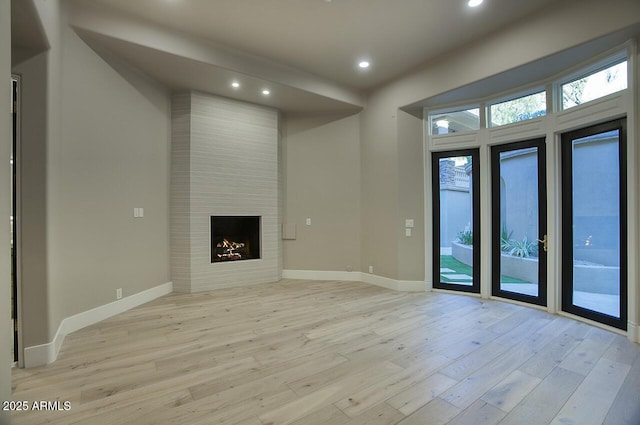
235,238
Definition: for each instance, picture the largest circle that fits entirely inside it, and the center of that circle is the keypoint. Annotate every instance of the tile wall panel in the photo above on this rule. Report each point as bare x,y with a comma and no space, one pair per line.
232,170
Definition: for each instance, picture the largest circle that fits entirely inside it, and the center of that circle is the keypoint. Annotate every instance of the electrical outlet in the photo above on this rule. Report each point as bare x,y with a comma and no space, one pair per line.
119,294
370,269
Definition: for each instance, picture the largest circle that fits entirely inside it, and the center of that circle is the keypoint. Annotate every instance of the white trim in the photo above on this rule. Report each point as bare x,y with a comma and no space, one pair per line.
385,282
633,331
322,275
39,355
396,285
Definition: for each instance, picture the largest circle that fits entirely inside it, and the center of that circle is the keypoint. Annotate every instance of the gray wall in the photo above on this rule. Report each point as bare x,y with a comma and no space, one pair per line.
33,206
105,149
596,202
411,250
6,338
380,221
520,202
455,215
322,169
225,162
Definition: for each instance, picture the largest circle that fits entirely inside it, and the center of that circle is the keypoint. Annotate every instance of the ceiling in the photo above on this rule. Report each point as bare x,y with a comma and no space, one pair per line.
305,51
328,38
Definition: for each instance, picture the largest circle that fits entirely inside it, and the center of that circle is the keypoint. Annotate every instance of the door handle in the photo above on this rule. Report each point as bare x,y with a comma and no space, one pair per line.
544,241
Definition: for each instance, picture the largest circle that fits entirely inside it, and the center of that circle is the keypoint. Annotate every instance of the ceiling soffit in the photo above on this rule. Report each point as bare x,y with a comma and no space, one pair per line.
184,62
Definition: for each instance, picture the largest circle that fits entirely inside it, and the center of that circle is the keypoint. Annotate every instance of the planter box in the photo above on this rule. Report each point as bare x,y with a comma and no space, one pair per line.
521,268
462,253
595,278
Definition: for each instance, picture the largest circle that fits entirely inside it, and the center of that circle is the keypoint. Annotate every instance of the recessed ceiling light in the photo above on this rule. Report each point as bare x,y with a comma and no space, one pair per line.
474,3
364,64
266,92
235,84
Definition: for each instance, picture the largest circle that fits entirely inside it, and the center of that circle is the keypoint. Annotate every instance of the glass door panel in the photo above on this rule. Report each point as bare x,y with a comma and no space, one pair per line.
594,224
519,221
456,253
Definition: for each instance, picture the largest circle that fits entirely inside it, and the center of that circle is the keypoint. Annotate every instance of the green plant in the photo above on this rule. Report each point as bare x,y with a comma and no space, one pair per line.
523,248
465,237
505,237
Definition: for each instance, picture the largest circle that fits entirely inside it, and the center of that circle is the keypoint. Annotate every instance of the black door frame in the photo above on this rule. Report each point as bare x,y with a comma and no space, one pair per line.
475,191
15,98
567,222
496,230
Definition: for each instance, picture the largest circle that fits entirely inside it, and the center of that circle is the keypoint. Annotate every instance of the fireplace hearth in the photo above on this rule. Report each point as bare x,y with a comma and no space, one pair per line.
235,238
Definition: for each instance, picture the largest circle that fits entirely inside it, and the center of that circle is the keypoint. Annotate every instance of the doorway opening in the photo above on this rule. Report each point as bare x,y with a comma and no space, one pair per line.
456,221
594,223
519,222
13,219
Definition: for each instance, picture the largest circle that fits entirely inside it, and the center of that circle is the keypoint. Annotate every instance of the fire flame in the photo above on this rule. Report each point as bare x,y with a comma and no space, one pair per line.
230,249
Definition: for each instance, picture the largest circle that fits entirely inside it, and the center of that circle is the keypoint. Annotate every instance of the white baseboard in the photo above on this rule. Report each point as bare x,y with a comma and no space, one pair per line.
396,285
633,331
322,275
385,282
40,355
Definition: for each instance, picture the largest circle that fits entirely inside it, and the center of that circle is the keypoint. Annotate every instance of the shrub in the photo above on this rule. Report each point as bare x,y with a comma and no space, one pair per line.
505,237
465,237
523,248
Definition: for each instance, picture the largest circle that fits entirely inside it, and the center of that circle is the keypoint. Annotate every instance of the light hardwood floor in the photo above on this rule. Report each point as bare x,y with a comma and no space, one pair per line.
310,353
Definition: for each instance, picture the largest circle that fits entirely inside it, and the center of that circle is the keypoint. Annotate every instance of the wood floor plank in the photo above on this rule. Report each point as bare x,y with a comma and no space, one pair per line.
413,398
436,412
626,406
363,400
336,353
467,391
542,404
329,393
382,414
479,413
585,356
549,356
510,391
598,391
328,415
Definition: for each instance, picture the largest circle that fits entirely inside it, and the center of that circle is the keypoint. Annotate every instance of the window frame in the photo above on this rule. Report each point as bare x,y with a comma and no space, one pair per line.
450,110
475,214
566,177
515,96
586,71
557,121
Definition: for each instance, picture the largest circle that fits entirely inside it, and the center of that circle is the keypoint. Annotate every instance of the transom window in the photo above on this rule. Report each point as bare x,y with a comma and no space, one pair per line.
519,109
595,85
455,121
591,83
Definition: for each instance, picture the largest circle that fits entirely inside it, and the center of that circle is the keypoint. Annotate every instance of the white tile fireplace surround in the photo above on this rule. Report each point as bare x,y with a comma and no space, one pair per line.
224,161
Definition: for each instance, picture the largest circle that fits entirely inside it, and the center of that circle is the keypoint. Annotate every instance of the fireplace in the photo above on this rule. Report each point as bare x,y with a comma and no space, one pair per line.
235,238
